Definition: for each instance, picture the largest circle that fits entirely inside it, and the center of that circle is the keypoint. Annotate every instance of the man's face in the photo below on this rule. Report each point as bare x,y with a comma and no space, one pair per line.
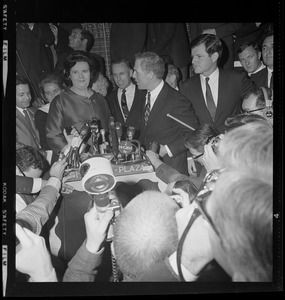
75,41
122,75
141,77
31,172
267,51
80,75
51,90
249,104
202,62
250,59
23,96
194,152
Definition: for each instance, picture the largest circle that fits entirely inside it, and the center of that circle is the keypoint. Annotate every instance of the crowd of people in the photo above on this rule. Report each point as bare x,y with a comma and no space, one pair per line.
214,130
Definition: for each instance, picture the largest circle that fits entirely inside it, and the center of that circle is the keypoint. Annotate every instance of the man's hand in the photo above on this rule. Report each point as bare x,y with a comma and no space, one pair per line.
191,166
96,228
210,159
32,257
57,169
154,158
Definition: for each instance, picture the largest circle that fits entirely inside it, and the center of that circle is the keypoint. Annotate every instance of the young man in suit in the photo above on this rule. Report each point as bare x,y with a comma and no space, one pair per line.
26,130
162,101
215,93
129,115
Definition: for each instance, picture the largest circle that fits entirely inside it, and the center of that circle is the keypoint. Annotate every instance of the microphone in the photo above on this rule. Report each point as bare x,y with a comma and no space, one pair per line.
103,147
112,135
130,132
84,131
119,131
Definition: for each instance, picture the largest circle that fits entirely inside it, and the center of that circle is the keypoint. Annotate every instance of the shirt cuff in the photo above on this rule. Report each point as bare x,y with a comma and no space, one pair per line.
168,151
50,278
37,184
55,182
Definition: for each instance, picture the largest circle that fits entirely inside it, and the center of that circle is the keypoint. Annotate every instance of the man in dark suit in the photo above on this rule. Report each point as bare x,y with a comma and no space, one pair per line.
162,100
263,77
215,94
26,131
131,114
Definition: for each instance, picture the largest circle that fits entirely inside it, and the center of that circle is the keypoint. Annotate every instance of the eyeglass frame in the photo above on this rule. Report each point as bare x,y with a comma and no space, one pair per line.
199,200
250,111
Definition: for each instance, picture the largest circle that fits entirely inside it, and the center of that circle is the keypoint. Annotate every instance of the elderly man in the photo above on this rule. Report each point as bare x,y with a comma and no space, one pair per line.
162,101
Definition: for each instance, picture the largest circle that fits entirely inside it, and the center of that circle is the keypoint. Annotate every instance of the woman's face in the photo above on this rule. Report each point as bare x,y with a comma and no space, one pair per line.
51,90
80,75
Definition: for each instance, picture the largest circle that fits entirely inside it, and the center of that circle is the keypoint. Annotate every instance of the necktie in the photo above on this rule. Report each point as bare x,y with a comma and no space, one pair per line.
27,117
210,100
124,104
147,109
271,80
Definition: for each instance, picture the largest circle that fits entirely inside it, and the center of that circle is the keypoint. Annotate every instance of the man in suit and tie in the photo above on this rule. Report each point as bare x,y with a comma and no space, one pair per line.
126,101
265,76
215,93
162,101
26,130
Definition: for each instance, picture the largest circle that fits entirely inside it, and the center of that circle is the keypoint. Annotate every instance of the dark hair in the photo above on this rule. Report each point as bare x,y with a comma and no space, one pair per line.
242,119
212,43
122,60
150,61
29,157
53,77
187,186
247,44
21,80
78,56
258,92
85,34
198,138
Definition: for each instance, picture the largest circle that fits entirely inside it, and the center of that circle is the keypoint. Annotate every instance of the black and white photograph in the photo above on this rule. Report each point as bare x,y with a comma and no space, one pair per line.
141,158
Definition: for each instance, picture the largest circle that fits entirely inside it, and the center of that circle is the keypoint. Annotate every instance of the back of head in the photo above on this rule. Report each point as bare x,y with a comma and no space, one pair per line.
145,233
150,61
29,157
242,119
249,148
85,34
242,209
199,137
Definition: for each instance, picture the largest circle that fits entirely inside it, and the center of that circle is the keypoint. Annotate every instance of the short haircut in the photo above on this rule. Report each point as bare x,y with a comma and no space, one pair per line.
242,119
258,92
212,43
150,61
21,80
122,60
249,148
85,34
145,233
78,56
29,157
198,138
53,77
247,44
187,186
242,213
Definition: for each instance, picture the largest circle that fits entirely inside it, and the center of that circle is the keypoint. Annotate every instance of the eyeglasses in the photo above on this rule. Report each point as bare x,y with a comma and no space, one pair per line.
204,193
250,111
200,201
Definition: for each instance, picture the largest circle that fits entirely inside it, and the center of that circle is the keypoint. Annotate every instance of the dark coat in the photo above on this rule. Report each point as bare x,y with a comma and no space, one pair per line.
135,114
232,88
165,130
